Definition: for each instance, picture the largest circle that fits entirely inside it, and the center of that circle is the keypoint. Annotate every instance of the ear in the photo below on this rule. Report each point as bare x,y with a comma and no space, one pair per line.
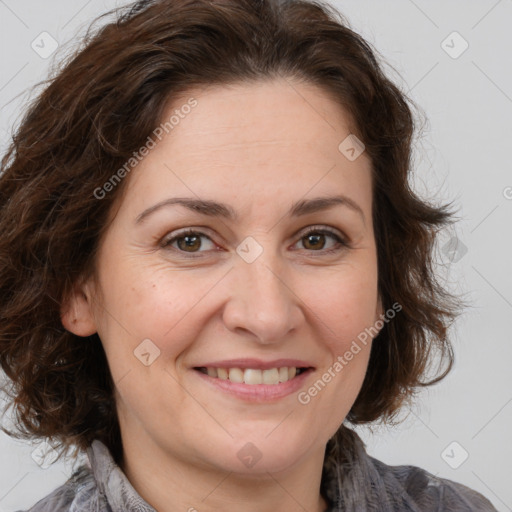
76,312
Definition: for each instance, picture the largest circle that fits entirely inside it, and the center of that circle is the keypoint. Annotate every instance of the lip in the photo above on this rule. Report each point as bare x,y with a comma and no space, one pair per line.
256,392
256,364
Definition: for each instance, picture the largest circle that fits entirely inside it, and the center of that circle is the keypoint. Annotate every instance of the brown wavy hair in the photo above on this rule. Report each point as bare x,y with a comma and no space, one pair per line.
101,105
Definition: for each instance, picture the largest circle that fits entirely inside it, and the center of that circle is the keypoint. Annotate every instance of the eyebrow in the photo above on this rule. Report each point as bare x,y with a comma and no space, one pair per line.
216,209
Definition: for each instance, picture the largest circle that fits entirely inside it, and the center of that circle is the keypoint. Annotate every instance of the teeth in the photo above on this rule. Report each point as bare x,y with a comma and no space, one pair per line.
252,375
271,376
222,373
236,375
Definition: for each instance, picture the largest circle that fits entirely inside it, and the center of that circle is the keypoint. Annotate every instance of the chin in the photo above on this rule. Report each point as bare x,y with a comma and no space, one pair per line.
259,454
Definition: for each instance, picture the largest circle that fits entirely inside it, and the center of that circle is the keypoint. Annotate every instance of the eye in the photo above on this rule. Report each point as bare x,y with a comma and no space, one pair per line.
189,242
314,239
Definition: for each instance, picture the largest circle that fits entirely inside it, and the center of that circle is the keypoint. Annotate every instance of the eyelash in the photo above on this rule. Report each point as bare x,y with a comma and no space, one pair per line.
341,242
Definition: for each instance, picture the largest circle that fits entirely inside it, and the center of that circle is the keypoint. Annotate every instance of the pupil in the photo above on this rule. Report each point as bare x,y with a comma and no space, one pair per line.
315,238
190,240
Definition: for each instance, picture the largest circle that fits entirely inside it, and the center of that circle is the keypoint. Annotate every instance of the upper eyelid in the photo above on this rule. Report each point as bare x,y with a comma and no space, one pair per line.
203,231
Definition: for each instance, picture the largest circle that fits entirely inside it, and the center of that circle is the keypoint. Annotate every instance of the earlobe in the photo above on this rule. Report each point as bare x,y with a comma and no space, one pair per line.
76,313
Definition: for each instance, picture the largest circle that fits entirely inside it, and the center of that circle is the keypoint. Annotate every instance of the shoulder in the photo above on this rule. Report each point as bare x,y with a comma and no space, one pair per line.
353,480
78,493
429,492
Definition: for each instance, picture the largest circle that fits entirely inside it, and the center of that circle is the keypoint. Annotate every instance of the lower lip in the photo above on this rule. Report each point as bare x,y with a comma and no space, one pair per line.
257,392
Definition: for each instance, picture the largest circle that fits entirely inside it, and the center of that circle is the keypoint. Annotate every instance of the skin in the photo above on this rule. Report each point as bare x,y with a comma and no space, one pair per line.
258,147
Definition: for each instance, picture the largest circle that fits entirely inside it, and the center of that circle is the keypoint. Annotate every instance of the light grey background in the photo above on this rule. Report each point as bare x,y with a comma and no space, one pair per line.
464,154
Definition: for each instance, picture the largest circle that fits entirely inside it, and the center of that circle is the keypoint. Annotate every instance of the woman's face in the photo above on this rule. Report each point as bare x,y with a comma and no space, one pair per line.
248,288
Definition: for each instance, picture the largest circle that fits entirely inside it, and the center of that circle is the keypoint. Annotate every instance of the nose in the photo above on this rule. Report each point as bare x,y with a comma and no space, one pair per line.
262,303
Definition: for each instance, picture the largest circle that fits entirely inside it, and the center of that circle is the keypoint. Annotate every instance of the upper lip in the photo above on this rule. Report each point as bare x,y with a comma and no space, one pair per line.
256,364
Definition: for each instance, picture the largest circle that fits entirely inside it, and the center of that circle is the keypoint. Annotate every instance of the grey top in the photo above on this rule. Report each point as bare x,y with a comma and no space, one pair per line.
351,481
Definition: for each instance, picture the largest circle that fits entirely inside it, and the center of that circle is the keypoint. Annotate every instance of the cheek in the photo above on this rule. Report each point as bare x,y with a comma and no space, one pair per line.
148,302
346,305
346,311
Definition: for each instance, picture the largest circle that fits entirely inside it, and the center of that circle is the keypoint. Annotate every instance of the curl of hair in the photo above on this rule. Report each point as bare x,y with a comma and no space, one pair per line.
101,107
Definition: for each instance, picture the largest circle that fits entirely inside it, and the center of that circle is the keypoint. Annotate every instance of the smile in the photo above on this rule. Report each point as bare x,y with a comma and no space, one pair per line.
252,376
254,384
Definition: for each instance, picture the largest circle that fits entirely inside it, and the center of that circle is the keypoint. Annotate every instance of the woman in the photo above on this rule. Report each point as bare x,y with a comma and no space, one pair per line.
212,264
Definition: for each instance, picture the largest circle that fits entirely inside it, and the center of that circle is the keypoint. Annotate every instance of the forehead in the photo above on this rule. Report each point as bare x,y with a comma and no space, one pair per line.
249,118
259,141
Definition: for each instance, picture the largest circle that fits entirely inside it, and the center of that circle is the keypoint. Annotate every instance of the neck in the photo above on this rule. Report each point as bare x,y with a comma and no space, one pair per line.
169,483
